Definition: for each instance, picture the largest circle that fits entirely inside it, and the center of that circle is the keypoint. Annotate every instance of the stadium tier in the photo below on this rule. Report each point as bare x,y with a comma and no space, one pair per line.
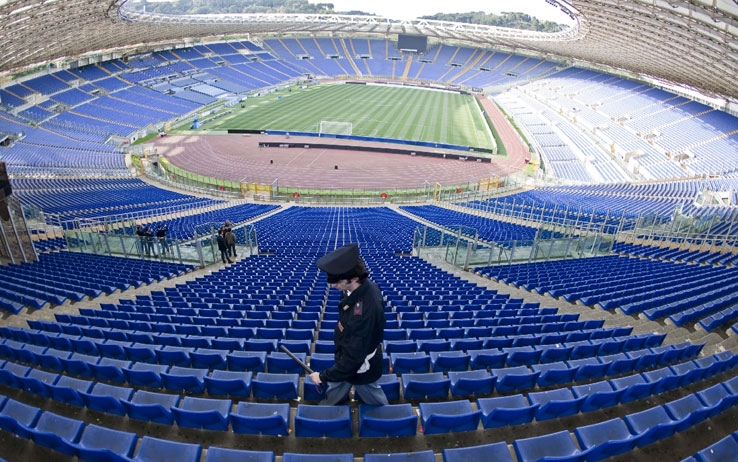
170,355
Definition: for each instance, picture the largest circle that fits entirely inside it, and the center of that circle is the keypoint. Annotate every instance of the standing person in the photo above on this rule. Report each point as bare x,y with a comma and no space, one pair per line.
222,246
161,236
359,332
140,236
230,238
227,226
149,241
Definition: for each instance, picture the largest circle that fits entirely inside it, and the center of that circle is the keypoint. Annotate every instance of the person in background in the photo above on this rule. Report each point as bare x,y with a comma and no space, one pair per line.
359,333
222,246
161,236
230,238
148,241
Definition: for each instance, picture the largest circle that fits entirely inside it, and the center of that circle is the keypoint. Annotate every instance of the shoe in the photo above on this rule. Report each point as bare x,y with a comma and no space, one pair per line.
230,261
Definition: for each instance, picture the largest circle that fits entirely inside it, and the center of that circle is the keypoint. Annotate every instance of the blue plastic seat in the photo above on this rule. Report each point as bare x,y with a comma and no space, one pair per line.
208,358
389,420
206,413
635,386
721,451
217,454
688,371
254,361
323,421
717,398
444,361
111,370
281,363
448,416
229,383
51,358
498,452
69,390
321,361
522,356
142,352
156,407
10,373
107,398
400,346
390,385
79,364
18,418
687,411
102,443
434,345
514,378
184,379
426,385
469,383
663,378
554,373
275,386
588,368
37,381
416,456
174,356
227,344
555,403
618,363
558,446
583,349
556,352
57,432
501,411
651,425
490,358
597,395
296,346
605,439
261,418
466,344
158,449
414,363
646,358
145,374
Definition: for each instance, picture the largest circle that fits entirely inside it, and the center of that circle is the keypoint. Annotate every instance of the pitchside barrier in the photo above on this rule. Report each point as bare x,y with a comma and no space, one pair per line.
352,147
369,139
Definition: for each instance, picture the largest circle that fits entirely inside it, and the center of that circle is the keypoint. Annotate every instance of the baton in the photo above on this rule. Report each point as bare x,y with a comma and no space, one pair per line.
291,355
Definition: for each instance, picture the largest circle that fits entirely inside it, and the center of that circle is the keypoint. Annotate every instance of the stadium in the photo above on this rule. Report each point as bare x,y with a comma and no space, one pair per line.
550,217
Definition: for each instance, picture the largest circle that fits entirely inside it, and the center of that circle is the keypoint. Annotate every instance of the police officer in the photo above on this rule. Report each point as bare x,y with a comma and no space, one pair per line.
359,332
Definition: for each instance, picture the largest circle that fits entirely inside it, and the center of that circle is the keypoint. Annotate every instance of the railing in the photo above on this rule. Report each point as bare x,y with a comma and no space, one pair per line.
462,247
119,239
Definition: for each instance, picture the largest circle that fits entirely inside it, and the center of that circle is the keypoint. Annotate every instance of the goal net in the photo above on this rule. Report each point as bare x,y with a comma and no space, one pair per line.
335,128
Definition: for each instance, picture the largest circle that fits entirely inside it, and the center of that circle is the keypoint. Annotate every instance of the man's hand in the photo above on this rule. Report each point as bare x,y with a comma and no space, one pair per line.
315,377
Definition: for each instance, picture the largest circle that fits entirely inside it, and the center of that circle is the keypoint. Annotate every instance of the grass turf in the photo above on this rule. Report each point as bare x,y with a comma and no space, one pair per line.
374,110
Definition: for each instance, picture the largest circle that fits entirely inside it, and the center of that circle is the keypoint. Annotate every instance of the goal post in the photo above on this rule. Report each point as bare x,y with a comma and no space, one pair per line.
329,128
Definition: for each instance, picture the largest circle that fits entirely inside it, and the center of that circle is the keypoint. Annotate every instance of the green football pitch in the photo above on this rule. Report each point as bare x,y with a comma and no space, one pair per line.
381,111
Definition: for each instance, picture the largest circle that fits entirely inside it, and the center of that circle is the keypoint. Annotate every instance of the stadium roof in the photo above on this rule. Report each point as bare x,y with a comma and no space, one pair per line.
689,42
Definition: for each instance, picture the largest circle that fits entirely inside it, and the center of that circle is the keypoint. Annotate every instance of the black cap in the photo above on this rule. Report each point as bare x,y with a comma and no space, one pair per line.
340,263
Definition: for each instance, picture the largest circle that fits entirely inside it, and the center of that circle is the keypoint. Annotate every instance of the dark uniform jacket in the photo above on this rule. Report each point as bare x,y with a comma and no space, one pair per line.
359,332
222,246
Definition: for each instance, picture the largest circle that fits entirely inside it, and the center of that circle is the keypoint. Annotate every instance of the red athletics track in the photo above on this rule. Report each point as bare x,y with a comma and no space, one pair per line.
239,158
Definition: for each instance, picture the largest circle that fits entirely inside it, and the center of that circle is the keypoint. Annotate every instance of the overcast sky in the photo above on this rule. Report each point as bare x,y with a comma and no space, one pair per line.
411,9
